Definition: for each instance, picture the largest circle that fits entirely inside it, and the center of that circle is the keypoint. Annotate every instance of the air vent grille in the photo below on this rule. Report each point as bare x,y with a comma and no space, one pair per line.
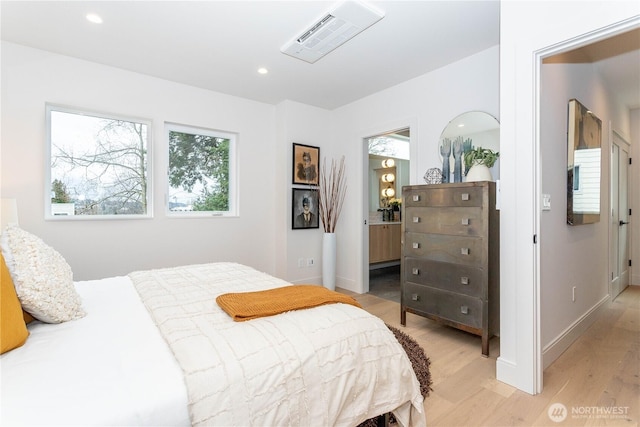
332,30
315,28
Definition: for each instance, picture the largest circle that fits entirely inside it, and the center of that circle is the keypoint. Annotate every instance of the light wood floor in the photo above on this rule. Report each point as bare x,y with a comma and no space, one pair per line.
600,371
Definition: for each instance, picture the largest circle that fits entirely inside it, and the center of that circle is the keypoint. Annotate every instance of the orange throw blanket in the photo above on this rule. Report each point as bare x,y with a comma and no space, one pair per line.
243,306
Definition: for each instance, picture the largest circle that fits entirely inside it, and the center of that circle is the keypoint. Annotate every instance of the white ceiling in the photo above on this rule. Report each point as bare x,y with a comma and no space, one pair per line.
617,59
219,45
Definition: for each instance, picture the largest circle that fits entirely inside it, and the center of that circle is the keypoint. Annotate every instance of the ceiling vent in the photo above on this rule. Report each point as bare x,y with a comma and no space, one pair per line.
332,30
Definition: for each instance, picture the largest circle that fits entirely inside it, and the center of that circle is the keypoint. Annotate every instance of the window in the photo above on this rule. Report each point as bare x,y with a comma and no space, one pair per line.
576,178
202,180
98,165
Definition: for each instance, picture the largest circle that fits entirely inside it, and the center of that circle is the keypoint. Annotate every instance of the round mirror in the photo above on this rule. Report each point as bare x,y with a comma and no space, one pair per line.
466,132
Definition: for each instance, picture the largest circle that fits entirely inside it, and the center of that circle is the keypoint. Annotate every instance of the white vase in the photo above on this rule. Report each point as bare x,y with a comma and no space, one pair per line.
329,261
479,172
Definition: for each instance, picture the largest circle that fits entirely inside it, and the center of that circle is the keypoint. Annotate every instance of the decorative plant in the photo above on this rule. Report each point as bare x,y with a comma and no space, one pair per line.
395,204
331,192
479,155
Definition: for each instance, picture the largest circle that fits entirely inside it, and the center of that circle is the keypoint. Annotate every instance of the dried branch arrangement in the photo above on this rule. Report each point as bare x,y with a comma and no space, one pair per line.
332,189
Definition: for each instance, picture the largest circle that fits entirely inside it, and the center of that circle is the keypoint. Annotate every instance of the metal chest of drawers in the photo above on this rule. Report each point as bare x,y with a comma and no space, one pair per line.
451,256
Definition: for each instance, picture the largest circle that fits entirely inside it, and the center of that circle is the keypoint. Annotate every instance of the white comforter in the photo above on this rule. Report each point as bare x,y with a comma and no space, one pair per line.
334,365
110,368
331,365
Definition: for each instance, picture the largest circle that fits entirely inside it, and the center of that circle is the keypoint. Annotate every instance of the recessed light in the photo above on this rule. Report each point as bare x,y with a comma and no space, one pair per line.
95,18
262,70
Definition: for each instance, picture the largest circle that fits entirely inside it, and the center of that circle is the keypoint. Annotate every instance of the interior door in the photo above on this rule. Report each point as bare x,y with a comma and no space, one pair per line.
619,215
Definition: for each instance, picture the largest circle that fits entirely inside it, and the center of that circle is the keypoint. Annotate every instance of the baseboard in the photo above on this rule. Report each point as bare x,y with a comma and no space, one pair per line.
383,265
507,372
555,348
308,280
347,284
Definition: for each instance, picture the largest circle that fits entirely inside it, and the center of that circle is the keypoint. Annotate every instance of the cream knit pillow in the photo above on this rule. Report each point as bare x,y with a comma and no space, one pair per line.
42,277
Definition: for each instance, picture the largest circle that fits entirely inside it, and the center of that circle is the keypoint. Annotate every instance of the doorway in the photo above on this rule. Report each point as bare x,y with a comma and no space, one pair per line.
619,250
551,340
387,166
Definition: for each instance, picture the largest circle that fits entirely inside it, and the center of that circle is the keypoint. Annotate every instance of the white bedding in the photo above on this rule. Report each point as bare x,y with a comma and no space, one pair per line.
111,367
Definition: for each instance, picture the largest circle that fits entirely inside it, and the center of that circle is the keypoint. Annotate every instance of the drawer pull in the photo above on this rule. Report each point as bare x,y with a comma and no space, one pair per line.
465,221
465,196
415,271
464,251
416,245
416,219
416,198
415,297
464,309
464,280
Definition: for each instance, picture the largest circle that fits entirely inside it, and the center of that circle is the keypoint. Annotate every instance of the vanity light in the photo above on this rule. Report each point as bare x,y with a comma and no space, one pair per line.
388,192
388,163
388,177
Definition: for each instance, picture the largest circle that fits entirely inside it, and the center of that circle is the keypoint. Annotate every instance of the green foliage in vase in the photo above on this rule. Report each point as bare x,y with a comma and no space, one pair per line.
479,155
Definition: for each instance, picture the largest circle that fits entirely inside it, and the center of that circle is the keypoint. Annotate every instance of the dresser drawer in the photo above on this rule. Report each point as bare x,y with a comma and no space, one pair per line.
447,305
455,221
445,196
453,249
456,278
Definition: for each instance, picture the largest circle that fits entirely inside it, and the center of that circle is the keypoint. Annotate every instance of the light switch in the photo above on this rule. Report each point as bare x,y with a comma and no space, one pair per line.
546,202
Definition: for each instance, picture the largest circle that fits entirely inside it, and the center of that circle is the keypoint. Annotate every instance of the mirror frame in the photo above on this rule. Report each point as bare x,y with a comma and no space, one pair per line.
584,165
462,127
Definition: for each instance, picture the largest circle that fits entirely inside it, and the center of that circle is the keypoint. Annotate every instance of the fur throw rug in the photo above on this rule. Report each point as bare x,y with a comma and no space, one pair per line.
420,363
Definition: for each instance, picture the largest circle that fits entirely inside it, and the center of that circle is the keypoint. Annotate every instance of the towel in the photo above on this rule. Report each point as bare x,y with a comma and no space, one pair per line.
243,306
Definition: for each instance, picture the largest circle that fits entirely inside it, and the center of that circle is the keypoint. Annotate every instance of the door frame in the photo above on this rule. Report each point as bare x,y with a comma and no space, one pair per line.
407,123
620,141
536,367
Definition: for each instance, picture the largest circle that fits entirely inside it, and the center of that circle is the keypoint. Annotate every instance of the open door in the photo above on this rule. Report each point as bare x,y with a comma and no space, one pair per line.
619,257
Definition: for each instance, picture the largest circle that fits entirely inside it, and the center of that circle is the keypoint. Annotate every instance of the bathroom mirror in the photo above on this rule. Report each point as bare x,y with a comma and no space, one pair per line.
468,130
584,139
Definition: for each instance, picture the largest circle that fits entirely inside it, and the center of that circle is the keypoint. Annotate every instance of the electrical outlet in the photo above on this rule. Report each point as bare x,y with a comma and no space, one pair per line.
310,262
300,262
573,294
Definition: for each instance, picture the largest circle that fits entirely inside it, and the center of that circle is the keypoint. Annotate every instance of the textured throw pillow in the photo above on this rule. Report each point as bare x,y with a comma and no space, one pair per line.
13,331
42,278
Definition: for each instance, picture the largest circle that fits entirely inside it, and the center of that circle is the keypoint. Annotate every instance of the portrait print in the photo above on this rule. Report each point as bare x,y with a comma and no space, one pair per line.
306,164
304,209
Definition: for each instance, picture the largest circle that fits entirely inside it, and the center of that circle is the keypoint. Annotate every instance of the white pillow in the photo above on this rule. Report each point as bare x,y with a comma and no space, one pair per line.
42,277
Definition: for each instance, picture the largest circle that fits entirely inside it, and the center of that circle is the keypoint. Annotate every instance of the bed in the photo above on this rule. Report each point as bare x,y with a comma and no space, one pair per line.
154,348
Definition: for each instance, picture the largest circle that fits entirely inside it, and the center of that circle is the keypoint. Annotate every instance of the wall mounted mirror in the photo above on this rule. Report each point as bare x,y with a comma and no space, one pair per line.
584,140
468,130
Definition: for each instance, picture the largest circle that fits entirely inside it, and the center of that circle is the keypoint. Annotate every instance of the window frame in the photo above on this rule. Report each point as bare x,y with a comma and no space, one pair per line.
48,214
233,210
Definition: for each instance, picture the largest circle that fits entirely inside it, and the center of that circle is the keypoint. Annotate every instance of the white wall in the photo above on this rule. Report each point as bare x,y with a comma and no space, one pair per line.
426,104
572,255
527,29
30,78
265,132
302,124
634,196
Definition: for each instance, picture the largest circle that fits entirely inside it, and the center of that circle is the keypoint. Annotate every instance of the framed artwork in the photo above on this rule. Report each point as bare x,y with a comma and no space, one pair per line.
304,208
306,164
